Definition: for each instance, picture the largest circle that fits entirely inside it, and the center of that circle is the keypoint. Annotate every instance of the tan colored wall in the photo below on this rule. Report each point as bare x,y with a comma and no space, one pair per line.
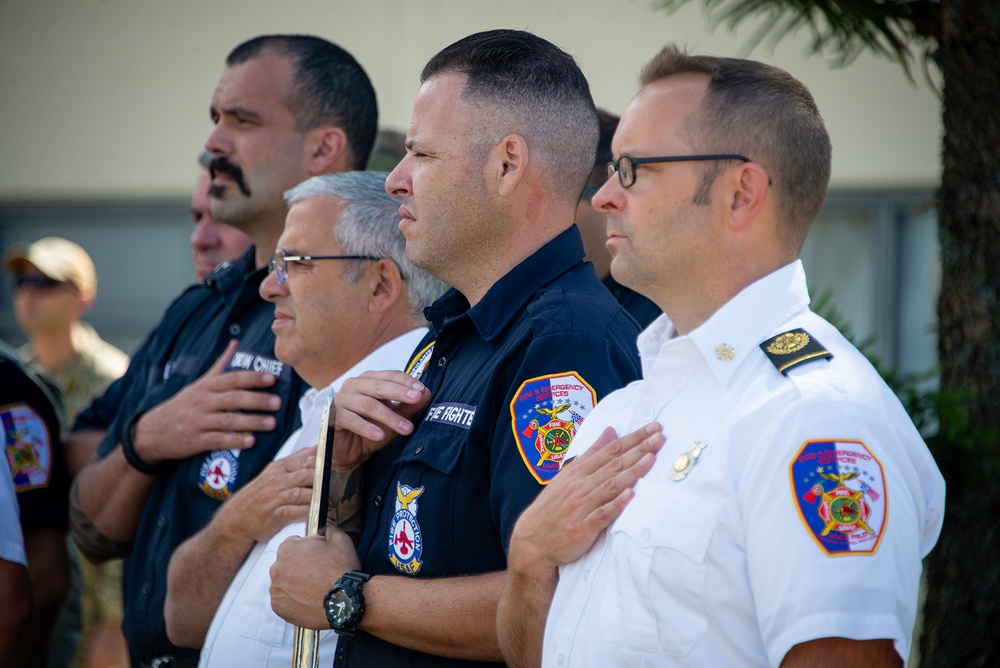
109,98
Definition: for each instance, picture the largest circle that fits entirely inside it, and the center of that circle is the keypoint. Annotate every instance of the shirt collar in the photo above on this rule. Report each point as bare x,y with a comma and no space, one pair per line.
234,278
733,332
386,356
507,297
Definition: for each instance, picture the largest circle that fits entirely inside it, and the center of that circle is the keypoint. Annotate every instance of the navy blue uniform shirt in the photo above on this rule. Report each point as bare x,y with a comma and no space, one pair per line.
30,416
639,306
194,331
510,381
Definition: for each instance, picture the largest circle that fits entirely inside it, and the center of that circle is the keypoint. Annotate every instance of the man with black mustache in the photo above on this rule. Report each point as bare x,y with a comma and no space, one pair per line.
188,425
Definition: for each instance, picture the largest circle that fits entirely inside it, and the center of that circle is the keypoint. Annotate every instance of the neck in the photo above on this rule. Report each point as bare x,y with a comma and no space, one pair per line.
55,350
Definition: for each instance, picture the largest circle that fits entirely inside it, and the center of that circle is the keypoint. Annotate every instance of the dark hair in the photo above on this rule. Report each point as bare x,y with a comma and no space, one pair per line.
766,114
607,123
330,88
534,89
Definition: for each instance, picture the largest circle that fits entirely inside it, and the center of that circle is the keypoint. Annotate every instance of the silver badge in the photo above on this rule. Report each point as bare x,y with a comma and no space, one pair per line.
685,462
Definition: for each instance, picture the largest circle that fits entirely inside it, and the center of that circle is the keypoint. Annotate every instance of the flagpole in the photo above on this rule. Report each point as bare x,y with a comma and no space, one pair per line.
305,653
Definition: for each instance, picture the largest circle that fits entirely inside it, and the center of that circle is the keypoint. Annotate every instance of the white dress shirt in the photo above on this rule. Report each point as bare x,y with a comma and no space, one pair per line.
799,508
245,631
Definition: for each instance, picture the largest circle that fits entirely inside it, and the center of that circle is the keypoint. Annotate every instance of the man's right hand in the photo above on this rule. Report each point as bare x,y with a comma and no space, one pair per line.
208,414
371,410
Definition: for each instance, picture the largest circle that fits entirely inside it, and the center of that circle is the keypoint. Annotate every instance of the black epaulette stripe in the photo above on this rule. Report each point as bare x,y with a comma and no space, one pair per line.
792,348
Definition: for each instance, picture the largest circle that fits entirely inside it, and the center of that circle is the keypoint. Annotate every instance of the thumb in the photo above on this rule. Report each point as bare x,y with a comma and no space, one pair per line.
220,364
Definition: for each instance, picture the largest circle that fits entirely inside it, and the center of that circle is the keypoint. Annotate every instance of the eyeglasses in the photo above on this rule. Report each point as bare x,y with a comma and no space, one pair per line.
37,282
278,264
625,165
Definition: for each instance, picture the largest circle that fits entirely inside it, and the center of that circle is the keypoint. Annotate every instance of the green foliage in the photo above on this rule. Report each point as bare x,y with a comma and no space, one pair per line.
840,28
965,454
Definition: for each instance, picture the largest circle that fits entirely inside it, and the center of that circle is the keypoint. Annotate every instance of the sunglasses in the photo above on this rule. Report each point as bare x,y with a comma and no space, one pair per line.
37,282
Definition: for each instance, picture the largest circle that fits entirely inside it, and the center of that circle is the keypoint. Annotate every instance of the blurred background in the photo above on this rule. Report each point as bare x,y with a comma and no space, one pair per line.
104,107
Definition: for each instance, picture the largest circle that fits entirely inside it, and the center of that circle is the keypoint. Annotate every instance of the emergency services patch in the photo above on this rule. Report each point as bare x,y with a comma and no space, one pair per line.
28,446
406,544
545,414
419,362
218,473
839,491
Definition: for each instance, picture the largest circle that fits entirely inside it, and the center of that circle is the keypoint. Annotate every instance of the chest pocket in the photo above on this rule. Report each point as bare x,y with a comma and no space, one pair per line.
421,502
654,598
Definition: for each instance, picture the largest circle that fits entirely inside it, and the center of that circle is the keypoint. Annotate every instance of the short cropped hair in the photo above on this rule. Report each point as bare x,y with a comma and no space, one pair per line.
330,88
766,114
532,88
608,123
369,225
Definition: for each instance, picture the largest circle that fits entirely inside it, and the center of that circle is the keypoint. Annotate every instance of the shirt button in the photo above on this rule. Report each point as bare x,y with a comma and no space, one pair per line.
586,575
378,500
161,520
340,654
561,659
441,362
145,588
234,329
644,535
418,450
648,415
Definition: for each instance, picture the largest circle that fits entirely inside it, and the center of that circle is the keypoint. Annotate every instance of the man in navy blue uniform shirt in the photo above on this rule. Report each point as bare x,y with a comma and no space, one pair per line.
500,145
190,427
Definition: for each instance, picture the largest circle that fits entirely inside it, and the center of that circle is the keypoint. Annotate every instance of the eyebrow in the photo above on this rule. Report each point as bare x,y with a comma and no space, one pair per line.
236,111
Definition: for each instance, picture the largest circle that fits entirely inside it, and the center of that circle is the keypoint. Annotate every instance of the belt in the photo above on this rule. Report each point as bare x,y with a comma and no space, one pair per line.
170,661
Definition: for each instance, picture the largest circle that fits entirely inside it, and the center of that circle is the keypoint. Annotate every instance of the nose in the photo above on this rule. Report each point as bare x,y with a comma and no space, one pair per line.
397,183
610,197
203,235
218,142
270,290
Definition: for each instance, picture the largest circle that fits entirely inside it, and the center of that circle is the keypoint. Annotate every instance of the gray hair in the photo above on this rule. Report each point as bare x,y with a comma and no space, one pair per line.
369,225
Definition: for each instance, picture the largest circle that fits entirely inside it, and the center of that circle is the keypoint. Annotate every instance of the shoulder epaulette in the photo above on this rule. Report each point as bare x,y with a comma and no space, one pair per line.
792,348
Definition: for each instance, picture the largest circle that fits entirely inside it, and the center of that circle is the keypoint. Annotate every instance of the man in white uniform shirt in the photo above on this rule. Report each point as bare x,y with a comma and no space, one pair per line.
781,516
347,300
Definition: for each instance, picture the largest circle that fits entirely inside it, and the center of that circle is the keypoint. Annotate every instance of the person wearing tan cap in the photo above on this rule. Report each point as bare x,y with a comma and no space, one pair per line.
54,285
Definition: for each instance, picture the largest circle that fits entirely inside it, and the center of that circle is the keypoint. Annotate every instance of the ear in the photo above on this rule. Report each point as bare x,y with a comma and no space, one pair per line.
749,190
327,150
508,163
84,303
386,287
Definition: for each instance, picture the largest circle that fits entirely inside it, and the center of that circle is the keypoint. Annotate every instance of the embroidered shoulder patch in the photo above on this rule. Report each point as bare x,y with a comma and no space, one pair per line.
419,362
790,349
545,414
28,446
218,473
839,491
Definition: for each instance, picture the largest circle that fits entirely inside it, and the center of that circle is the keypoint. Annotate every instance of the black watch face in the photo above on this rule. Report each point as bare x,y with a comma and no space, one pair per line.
339,607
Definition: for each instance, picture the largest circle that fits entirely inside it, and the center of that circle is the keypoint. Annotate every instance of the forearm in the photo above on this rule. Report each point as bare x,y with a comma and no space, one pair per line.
344,507
524,607
200,572
16,611
48,568
452,617
80,447
106,503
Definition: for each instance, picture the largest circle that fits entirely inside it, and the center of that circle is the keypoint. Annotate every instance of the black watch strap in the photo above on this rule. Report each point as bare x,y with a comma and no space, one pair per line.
349,585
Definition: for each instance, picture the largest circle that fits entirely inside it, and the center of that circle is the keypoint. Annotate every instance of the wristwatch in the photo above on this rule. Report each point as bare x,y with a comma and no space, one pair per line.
345,604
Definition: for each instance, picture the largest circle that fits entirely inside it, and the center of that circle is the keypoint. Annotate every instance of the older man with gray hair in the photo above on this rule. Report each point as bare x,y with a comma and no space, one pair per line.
347,299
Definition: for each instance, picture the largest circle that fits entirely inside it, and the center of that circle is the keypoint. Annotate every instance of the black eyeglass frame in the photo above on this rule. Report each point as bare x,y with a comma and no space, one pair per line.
615,166
278,263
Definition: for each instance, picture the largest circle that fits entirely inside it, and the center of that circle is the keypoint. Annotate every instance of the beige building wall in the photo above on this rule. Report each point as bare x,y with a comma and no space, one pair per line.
108,99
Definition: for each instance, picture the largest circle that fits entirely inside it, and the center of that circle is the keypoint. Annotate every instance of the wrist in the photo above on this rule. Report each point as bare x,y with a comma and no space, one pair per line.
128,449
